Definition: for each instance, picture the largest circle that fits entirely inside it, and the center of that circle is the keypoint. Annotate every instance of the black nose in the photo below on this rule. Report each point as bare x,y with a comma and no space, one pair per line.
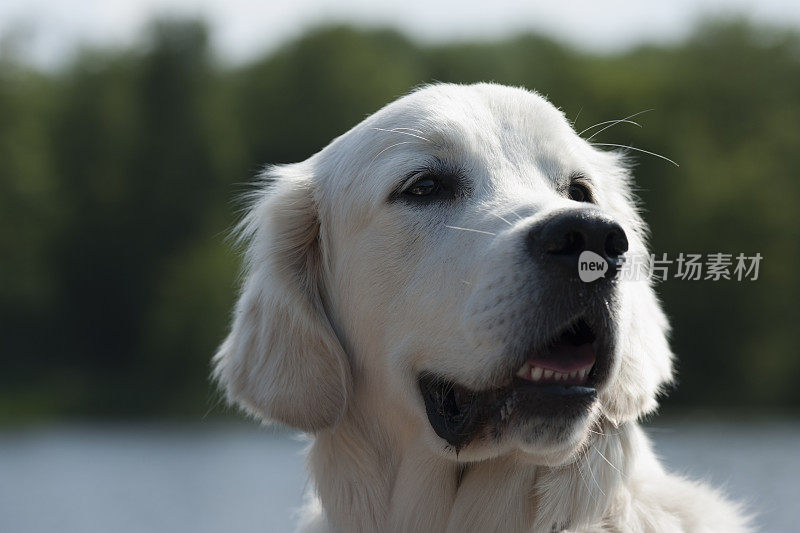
563,237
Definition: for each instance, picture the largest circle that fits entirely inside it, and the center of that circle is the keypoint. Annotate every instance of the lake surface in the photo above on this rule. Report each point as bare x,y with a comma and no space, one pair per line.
241,479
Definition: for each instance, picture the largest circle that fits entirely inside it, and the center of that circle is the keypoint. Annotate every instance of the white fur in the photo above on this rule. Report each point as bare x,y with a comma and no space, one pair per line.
348,296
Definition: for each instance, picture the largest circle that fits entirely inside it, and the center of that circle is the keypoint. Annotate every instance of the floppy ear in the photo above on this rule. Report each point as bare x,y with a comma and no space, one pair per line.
645,356
282,360
645,359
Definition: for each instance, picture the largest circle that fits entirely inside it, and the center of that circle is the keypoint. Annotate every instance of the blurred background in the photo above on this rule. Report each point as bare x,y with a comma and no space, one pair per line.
129,130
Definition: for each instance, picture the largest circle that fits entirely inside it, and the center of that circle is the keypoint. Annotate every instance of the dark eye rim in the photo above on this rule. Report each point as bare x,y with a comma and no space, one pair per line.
450,185
579,183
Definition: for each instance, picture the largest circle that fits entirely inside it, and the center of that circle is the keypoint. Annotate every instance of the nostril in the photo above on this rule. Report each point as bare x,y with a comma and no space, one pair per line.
560,239
569,243
616,243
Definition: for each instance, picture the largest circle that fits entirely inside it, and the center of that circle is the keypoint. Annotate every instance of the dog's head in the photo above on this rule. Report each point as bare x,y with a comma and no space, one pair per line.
424,267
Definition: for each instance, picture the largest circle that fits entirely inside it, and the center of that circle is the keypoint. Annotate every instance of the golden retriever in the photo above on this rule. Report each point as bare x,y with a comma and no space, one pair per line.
411,299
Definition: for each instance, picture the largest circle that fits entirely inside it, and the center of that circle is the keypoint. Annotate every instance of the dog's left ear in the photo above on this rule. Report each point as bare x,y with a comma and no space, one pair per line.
282,360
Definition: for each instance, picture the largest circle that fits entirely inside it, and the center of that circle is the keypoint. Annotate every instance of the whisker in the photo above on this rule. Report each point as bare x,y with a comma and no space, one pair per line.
614,122
501,218
397,130
465,281
584,130
628,147
611,124
213,406
574,120
516,215
470,229
589,466
449,388
599,431
583,480
408,129
609,462
392,146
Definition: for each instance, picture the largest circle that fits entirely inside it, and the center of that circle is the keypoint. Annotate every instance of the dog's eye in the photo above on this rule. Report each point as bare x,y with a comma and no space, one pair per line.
431,186
425,186
579,192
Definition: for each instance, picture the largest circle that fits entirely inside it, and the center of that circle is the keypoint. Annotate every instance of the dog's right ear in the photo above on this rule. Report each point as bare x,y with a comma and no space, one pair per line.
282,360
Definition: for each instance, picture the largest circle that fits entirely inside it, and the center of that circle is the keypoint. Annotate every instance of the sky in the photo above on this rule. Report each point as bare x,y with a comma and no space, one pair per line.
48,32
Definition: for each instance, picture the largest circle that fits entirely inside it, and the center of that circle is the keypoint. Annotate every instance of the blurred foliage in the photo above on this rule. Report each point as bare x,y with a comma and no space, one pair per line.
119,173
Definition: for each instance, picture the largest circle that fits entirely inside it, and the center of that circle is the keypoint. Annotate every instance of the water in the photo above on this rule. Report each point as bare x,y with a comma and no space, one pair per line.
234,478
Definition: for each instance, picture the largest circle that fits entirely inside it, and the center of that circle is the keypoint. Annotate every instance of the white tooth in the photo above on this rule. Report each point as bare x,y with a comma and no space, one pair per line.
573,374
536,373
558,376
523,372
548,374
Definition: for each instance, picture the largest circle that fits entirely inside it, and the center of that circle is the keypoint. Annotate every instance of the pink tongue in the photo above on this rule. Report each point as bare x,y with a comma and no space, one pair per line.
565,358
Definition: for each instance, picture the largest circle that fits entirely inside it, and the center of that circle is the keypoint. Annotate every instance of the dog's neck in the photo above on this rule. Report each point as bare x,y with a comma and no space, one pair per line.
371,478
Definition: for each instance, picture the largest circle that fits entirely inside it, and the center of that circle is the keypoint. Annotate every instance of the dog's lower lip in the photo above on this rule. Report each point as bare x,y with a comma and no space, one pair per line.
561,390
457,414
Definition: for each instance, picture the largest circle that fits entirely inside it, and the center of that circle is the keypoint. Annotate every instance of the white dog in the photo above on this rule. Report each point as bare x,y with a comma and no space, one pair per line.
412,300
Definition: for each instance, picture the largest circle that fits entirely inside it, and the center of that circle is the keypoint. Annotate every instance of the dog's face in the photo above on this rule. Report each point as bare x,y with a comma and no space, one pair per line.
431,257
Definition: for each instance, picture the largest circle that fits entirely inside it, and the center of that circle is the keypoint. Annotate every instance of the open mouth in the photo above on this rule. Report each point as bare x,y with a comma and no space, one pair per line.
557,380
568,360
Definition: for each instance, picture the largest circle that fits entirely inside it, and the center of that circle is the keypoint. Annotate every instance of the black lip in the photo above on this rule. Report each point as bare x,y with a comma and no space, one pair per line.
453,420
458,414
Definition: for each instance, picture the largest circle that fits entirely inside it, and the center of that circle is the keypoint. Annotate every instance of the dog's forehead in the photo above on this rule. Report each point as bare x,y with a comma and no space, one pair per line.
484,121
486,130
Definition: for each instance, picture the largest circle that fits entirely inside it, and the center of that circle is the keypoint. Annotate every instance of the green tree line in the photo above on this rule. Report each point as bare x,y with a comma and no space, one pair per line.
119,174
